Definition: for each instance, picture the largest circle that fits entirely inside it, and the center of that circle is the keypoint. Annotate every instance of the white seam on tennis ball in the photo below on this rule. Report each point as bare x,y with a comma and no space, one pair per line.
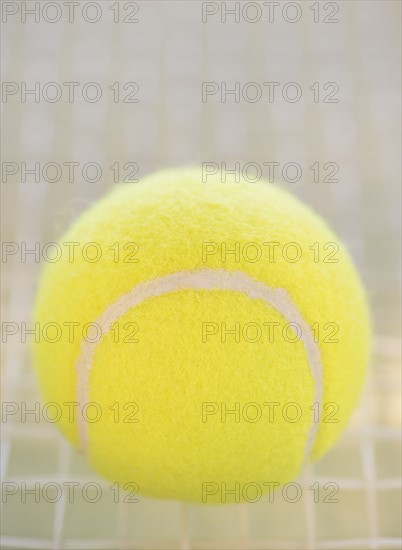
204,279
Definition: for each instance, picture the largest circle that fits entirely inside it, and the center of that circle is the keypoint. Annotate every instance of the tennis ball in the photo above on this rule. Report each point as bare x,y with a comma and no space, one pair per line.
202,340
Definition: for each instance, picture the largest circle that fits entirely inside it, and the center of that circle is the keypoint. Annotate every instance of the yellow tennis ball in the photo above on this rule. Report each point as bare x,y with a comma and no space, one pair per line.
203,340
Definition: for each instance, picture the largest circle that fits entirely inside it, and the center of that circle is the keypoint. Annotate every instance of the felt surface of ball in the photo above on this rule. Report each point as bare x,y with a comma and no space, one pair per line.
215,336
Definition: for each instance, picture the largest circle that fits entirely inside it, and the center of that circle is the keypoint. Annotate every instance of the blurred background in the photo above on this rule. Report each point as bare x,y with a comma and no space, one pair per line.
105,91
